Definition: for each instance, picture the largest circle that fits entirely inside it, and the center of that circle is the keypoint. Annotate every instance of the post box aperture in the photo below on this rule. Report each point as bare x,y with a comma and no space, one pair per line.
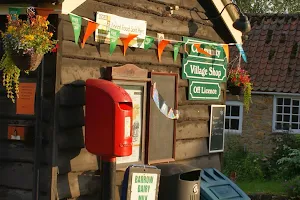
108,126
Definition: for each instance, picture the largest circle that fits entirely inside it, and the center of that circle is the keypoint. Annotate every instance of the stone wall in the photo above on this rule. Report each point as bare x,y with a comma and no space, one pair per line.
257,124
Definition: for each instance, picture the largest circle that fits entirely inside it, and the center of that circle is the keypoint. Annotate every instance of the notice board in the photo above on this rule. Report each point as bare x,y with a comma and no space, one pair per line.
217,125
162,130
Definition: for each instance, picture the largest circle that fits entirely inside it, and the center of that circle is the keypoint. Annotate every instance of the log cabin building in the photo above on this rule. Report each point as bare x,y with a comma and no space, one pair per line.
53,163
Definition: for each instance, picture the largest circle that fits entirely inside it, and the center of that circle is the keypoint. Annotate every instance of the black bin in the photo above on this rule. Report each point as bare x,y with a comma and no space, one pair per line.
179,182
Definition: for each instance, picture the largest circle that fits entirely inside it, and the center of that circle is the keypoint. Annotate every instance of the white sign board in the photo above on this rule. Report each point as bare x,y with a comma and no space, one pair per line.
124,25
143,186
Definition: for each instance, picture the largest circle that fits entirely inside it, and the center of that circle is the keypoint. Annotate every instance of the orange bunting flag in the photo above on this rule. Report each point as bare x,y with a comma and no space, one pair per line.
226,50
200,50
91,27
161,46
45,12
127,40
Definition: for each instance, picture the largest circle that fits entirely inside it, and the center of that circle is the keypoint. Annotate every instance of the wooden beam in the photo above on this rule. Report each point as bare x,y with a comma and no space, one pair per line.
193,112
192,130
208,161
192,148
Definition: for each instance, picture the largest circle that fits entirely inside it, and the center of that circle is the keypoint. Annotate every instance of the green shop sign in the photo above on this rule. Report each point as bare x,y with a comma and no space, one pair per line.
197,65
200,69
203,90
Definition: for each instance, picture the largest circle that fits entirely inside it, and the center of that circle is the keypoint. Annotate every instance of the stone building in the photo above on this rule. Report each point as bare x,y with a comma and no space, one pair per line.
53,163
273,53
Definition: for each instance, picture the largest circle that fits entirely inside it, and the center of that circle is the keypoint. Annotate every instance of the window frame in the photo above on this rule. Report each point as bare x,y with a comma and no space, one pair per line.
274,130
240,117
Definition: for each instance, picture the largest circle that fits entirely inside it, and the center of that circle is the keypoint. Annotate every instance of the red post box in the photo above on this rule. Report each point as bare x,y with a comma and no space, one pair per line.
108,125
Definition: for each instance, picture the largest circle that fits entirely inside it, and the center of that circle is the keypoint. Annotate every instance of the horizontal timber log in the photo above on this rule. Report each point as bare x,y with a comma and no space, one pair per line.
18,152
15,194
193,112
211,160
186,149
183,4
136,56
71,117
20,176
71,138
154,23
73,185
159,10
192,130
70,95
76,161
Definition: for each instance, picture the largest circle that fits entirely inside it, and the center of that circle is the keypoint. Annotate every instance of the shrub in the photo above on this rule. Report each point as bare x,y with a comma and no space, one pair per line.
290,164
244,164
292,188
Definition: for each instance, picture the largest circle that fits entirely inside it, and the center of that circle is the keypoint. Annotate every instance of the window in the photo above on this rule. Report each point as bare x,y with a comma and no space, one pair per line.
286,114
234,117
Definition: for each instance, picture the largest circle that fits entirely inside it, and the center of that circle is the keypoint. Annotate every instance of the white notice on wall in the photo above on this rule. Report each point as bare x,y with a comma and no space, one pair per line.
126,26
127,127
143,186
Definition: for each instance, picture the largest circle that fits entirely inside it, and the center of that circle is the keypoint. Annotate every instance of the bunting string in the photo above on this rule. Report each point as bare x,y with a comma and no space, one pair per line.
76,21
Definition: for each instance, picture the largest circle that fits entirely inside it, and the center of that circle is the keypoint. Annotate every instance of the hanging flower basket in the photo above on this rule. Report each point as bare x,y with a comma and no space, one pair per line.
238,81
26,61
25,43
235,90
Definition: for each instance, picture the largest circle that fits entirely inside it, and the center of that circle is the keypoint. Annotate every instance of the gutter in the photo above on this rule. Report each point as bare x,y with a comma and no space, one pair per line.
274,93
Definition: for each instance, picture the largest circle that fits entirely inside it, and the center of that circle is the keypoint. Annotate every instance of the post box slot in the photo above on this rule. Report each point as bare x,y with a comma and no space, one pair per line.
125,105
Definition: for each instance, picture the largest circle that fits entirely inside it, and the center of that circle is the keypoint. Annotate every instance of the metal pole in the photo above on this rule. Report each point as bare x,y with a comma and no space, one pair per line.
38,130
108,177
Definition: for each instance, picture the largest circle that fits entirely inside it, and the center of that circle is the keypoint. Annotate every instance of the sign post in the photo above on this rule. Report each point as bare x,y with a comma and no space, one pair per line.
217,124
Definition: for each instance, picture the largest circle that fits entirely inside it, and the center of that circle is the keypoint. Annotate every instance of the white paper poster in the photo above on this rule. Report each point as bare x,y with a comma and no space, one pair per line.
124,25
143,186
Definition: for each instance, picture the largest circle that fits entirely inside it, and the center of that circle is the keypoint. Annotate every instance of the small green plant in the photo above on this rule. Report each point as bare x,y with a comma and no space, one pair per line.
292,188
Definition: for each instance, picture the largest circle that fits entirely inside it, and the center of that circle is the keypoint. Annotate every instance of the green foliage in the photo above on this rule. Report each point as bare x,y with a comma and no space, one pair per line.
292,188
286,145
11,75
290,164
269,6
245,164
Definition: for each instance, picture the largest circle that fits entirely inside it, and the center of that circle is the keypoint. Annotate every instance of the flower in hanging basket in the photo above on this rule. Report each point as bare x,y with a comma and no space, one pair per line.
25,42
239,80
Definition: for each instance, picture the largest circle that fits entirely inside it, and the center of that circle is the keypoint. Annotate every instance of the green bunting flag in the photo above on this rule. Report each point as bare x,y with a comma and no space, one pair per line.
14,12
148,42
176,50
114,36
76,23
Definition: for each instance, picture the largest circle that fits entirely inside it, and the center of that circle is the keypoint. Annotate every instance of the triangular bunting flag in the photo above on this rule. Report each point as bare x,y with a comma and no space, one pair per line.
242,52
45,12
200,50
76,23
161,46
114,36
149,41
14,12
127,40
176,50
91,27
226,50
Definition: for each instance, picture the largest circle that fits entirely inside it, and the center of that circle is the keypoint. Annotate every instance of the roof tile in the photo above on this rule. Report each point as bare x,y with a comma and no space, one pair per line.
269,62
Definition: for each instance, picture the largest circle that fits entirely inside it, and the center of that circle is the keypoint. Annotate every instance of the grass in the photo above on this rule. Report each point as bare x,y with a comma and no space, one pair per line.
266,187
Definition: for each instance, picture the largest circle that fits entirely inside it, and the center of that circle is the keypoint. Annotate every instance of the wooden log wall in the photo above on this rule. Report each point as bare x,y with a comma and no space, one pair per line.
17,157
78,170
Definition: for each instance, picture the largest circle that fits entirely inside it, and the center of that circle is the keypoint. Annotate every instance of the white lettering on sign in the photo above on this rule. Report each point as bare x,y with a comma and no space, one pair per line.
213,52
143,186
195,69
204,90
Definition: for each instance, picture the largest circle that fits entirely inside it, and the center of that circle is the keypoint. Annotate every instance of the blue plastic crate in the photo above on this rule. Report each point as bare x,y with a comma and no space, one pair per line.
216,186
